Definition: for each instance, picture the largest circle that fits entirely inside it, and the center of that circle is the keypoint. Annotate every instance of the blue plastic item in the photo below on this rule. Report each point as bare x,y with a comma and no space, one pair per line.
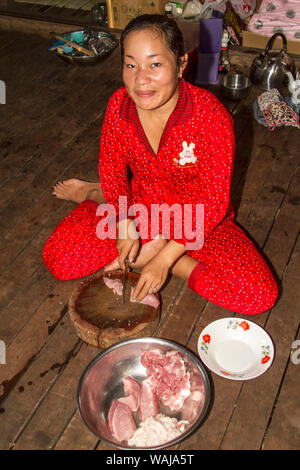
61,43
77,37
67,49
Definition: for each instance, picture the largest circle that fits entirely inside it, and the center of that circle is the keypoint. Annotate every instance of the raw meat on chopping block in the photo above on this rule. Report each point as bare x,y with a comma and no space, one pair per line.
114,284
132,391
169,377
121,421
117,287
149,403
149,299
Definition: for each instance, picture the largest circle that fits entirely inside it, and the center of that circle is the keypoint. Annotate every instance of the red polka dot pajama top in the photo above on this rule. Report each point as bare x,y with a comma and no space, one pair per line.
193,167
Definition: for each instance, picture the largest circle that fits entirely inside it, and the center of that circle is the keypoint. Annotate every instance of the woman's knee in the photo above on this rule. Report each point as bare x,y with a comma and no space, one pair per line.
51,260
56,261
67,261
269,295
242,293
263,297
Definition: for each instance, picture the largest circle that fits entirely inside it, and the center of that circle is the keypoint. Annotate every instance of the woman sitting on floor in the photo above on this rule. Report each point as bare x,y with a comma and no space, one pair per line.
178,141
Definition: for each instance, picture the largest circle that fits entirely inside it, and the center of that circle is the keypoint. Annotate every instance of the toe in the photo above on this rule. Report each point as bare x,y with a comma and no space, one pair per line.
57,185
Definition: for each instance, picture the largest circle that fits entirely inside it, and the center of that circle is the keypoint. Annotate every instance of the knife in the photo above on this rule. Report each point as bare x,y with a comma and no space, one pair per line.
127,269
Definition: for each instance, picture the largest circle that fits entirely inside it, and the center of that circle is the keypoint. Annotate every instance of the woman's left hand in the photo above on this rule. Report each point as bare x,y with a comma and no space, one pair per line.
153,276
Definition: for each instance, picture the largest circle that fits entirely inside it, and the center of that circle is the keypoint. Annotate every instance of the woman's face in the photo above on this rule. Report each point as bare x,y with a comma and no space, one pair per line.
149,71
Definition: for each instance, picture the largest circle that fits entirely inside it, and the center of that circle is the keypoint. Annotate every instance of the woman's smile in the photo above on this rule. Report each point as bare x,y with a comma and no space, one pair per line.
145,94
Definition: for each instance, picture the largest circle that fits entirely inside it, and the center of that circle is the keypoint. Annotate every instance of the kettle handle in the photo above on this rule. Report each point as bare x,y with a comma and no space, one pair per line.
271,42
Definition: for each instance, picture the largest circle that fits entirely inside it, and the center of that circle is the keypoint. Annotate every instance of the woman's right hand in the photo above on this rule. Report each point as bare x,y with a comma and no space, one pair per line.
127,244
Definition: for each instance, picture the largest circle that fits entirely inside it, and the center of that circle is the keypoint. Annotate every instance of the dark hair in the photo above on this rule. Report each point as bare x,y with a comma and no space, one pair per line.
161,23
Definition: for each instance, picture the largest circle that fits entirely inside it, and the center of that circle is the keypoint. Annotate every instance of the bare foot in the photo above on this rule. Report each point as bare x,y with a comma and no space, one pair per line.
77,191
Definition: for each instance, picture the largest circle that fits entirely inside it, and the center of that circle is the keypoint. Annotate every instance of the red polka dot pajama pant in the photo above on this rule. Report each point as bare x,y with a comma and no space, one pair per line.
230,273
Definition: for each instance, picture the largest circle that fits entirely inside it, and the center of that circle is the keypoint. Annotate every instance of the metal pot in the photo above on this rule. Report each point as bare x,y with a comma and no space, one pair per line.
235,86
269,69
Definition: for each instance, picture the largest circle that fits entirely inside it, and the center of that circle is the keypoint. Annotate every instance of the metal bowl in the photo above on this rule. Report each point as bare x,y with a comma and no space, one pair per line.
101,383
103,41
235,86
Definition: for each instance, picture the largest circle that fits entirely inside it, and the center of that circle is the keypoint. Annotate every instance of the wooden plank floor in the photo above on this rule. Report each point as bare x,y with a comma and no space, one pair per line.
75,12
49,130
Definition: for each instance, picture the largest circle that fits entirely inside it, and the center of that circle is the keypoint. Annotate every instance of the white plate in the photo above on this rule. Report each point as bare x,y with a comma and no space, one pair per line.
235,348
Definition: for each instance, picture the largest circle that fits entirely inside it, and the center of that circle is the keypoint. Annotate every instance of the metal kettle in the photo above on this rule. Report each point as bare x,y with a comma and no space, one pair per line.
269,69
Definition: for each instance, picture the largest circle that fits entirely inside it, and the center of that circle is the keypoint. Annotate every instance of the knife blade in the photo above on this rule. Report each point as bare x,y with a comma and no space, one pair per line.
127,269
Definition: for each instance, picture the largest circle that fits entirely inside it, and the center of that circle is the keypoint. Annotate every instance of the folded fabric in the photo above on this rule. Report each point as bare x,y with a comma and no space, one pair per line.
258,115
267,98
272,110
280,114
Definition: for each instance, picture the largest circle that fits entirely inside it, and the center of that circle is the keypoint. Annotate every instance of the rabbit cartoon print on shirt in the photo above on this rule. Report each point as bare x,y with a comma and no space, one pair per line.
186,157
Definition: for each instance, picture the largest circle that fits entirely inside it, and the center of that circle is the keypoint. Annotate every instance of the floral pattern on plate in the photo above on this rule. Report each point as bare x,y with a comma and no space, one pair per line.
266,353
234,324
205,342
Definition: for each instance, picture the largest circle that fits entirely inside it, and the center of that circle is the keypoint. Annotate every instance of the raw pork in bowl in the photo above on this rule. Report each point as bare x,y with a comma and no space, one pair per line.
144,393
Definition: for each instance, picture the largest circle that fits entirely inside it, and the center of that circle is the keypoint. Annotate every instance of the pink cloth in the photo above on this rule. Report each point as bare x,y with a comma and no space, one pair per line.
277,16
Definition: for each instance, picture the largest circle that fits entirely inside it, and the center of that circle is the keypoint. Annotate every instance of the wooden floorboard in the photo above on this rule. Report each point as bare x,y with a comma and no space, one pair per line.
72,11
49,130
283,431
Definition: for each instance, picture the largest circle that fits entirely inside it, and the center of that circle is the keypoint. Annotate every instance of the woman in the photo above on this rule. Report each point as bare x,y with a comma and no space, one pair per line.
178,142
